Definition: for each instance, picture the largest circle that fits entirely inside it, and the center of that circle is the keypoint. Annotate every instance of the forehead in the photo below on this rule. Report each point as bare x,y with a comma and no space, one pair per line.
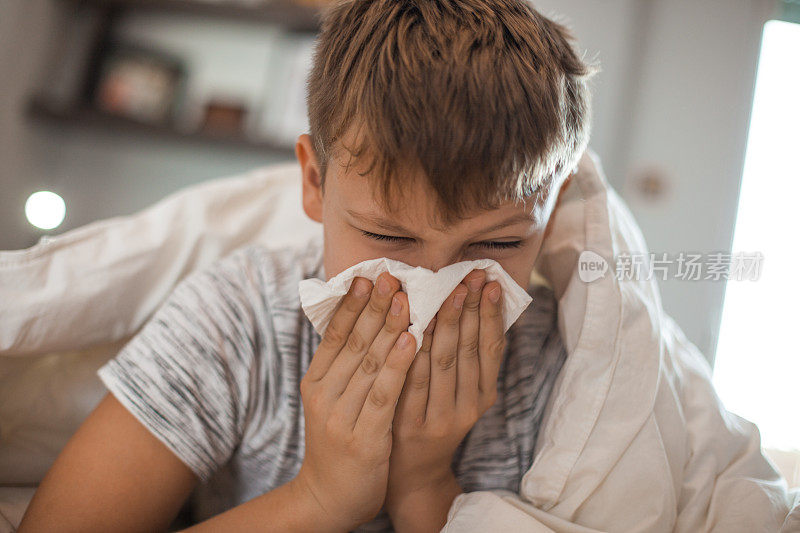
411,202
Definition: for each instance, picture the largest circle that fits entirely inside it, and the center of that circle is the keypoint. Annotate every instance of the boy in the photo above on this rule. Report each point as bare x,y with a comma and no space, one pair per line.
441,131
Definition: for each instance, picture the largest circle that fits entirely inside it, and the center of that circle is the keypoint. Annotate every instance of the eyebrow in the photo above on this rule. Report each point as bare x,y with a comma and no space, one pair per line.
390,226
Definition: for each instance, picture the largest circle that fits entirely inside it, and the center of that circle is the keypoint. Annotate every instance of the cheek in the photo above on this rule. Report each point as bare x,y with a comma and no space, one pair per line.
519,269
517,263
343,248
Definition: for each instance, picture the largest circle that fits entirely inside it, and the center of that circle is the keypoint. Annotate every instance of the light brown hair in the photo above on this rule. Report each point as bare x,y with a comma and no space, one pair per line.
487,98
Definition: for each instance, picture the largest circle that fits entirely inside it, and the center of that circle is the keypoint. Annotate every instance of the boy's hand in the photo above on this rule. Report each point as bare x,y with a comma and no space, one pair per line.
349,396
451,383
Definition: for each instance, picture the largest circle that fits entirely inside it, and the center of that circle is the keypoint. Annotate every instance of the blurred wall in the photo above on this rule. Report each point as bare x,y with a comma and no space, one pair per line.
672,101
687,112
100,173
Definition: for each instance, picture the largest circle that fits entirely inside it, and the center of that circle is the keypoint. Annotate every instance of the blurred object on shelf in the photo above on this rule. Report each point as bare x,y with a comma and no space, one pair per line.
313,3
282,113
223,117
150,67
140,84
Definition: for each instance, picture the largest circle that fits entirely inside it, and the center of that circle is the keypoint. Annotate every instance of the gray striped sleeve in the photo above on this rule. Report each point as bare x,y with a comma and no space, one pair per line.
185,376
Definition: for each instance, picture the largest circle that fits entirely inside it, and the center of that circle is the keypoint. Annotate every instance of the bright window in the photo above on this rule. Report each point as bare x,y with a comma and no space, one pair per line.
757,366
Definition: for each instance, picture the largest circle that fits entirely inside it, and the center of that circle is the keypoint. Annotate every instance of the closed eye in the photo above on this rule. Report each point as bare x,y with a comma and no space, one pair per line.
486,244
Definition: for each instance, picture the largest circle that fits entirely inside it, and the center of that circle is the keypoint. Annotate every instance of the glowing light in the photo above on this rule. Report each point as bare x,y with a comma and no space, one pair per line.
45,210
757,369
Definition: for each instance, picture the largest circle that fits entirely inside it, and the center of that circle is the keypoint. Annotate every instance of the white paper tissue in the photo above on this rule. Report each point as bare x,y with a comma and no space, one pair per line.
426,290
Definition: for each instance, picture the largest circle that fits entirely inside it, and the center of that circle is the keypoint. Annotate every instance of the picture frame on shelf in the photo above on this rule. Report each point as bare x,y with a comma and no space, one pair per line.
140,84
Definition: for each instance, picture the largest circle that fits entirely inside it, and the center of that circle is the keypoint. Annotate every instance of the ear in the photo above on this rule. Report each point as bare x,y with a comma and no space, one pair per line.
312,178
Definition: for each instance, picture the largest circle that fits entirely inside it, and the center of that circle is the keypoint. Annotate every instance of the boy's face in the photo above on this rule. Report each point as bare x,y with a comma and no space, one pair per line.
348,209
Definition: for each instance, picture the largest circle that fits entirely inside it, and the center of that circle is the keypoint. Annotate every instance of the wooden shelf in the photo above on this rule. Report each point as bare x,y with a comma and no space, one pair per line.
292,15
287,13
40,108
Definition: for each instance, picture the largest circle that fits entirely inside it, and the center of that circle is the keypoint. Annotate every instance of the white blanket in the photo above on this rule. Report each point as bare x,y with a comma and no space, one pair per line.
634,438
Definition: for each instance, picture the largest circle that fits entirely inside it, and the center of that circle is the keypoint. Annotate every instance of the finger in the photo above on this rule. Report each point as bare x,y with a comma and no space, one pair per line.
352,399
375,419
492,339
367,326
414,398
340,326
444,354
468,364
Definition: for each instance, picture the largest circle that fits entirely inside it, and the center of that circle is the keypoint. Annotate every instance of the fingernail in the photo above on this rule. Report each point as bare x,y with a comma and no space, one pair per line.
494,295
397,306
474,284
403,340
362,287
383,287
458,299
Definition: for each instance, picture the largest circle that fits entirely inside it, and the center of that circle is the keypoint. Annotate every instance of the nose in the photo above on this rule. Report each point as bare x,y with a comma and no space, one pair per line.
435,261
